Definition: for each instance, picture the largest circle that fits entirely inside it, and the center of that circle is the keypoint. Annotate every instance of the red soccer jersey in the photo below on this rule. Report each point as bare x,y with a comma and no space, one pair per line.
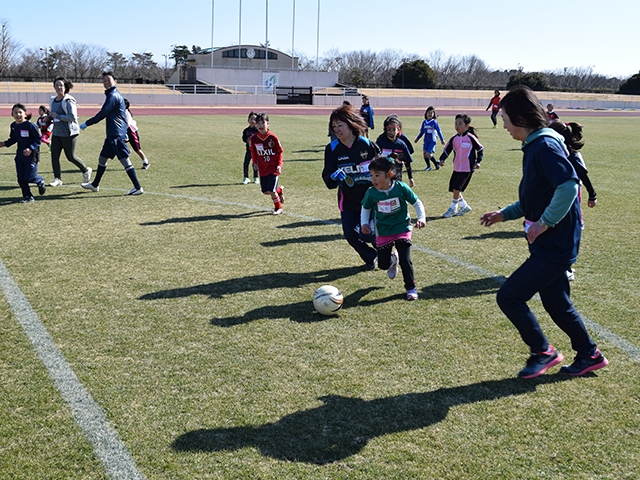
266,152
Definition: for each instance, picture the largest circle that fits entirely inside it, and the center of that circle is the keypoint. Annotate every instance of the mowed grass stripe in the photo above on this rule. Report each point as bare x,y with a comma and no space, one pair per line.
87,413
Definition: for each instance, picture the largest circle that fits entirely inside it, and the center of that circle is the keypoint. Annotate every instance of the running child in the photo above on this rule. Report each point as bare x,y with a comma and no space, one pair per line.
45,124
430,129
391,145
494,105
134,137
25,134
551,115
247,133
386,203
468,152
572,133
266,154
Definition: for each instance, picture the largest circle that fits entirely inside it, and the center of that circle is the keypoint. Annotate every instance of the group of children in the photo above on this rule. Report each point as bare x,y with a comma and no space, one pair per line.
29,137
384,207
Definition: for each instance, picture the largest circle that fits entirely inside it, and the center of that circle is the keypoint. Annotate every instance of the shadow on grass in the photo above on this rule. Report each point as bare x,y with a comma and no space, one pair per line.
310,223
46,197
198,185
313,239
300,312
304,160
317,149
255,283
470,288
204,218
342,426
497,234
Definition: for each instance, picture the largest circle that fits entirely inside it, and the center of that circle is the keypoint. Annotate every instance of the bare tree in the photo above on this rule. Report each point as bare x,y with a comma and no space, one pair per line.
9,48
85,61
30,65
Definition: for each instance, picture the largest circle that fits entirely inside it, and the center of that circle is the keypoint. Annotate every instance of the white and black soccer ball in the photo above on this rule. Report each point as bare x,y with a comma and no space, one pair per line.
327,300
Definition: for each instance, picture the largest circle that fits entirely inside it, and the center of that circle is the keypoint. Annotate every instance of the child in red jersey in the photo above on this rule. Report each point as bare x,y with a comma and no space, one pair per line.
551,115
494,105
45,124
266,155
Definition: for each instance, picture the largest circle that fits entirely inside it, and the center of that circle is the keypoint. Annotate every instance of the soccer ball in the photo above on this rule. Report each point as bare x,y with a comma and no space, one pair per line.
327,300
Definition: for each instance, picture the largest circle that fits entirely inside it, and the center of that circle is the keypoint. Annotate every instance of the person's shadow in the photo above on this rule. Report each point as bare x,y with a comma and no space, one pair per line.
342,426
255,283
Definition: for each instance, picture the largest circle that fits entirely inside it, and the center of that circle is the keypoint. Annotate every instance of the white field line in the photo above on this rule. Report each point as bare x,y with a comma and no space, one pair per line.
90,416
87,413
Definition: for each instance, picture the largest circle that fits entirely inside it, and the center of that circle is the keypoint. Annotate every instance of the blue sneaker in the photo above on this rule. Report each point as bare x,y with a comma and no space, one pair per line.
582,364
538,363
462,211
449,213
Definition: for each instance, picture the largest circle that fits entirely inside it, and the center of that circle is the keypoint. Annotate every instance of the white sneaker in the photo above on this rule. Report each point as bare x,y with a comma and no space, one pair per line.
463,210
56,182
245,181
392,271
145,165
136,191
86,176
277,211
256,180
412,294
449,213
571,274
89,186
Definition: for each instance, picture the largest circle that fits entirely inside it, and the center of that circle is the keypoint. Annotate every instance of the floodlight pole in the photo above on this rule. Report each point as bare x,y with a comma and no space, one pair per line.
293,30
212,18
240,35
318,37
266,40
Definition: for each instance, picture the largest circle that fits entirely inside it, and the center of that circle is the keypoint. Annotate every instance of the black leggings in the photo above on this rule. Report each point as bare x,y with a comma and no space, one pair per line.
404,259
68,144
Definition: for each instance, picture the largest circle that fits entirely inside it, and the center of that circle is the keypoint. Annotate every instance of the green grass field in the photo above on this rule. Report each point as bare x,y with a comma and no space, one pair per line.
186,314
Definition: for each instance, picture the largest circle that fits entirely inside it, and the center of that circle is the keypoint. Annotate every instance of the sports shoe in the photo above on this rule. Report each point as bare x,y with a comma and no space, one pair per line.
245,181
571,274
538,363
256,180
428,169
145,165
86,176
89,186
582,364
28,199
437,166
277,211
56,182
42,188
462,211
135,191
412,294
449,213
281,195
392,271
372,265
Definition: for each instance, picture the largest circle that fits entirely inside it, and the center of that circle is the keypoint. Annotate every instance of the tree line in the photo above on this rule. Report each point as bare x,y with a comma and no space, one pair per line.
388,68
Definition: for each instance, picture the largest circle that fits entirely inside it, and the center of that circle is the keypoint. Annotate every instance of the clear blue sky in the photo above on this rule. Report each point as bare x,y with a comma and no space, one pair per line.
603,35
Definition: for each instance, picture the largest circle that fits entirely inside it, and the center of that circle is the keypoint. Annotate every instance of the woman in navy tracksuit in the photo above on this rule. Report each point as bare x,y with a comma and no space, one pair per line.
548,202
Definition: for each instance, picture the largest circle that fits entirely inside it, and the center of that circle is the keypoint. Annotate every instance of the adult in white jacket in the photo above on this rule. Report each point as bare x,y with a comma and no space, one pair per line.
65,131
